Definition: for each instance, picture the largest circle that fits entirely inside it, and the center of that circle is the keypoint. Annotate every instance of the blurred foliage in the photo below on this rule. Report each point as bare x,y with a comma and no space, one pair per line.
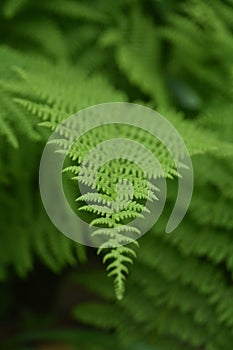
58,57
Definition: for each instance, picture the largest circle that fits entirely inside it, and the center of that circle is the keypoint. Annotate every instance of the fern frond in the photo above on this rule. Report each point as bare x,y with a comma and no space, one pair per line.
118,268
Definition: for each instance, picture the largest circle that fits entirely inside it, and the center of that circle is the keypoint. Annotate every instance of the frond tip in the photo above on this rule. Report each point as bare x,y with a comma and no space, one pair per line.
117,268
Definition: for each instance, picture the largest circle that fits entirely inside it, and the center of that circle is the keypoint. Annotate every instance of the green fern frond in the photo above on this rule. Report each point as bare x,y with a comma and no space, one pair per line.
120,256
58,57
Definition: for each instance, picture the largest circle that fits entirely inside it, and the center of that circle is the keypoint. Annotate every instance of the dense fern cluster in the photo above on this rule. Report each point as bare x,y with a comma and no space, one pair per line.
58,57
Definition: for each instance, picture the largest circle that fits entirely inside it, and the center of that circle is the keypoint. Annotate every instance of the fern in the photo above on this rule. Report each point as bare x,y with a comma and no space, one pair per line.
59,57
55,101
